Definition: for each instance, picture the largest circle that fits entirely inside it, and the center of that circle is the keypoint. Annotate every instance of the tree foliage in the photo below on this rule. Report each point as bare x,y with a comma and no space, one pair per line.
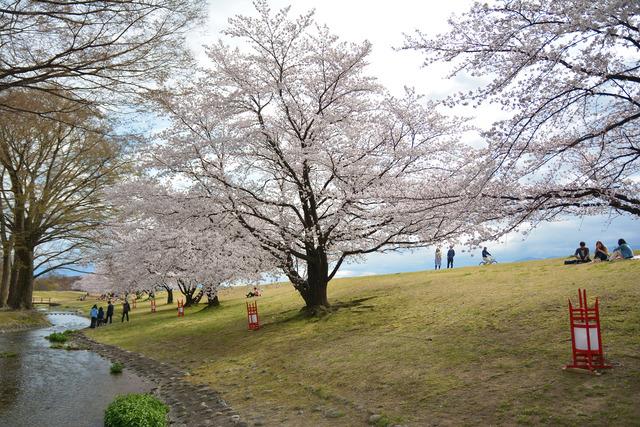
569,75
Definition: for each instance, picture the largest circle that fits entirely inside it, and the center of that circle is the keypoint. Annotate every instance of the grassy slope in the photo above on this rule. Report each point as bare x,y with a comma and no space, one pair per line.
465,346
10,320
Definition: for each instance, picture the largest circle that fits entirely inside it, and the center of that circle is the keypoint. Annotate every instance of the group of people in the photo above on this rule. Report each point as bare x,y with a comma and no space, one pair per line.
601,253
99,317
451,253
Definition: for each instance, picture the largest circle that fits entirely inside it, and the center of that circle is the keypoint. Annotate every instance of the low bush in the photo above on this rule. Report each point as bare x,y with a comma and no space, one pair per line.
7,354
60,337
116,368
136,410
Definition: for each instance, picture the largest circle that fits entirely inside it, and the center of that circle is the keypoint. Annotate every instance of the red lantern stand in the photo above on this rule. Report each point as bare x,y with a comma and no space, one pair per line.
153,305
252,316
586,336
180,308
133,303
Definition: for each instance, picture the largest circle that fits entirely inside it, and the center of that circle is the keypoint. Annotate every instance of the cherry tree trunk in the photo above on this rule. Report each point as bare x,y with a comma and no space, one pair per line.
314,291
212,297
169,296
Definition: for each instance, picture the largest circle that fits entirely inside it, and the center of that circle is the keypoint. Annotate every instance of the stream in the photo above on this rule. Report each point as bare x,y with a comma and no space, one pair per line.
41,386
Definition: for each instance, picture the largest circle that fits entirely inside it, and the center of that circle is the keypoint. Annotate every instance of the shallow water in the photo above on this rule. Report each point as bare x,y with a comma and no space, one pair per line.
46,387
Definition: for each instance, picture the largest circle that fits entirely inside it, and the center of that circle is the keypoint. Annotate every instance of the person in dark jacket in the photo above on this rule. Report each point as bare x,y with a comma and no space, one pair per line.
109,317
94,316
450,254
582,253
100,317
125,310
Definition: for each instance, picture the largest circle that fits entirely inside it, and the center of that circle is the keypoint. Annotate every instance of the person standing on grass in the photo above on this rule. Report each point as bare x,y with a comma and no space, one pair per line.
100,317
94,316
109,317
450,254
125,310
438,258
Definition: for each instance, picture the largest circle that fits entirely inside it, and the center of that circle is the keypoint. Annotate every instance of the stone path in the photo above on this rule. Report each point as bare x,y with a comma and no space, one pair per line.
191,405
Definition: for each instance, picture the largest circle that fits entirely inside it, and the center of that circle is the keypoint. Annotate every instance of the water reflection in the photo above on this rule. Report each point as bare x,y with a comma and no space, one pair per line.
46,387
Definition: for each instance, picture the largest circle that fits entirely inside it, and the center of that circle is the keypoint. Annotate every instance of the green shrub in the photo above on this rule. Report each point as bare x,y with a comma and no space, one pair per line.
7,354
116,368
60,337
136,410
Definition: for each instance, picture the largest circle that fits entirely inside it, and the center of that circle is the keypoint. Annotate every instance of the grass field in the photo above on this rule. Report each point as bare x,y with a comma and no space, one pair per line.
11,320
477,345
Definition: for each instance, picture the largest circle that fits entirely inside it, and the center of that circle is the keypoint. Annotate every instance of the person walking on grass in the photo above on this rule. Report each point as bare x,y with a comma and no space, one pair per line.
125,310
94,316
450,254
109,316
438,258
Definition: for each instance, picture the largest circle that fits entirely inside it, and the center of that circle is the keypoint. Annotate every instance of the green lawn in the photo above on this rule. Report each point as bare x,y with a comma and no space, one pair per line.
478,345
10,320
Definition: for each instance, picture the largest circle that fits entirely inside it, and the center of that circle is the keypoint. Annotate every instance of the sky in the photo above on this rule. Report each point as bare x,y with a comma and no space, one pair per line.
383,24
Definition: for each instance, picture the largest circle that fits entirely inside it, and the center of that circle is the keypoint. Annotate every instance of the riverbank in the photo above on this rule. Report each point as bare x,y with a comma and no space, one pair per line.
477,345
41,385
191,405
21,319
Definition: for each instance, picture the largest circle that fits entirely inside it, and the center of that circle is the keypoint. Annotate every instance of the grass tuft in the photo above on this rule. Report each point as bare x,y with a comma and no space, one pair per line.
116,368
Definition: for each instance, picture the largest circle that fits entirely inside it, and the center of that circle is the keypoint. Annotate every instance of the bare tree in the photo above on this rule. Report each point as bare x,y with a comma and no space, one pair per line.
55,171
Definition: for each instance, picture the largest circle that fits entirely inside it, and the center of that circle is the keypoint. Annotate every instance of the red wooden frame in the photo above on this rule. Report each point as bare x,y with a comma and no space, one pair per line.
153,305
252,316
180,308
586,335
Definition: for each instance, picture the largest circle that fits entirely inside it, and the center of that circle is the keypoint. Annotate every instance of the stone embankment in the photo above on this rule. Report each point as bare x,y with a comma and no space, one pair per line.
191,405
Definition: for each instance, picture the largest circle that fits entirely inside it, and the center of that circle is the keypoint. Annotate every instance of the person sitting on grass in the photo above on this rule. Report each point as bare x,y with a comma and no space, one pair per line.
582,253
254,293
601,253
623,251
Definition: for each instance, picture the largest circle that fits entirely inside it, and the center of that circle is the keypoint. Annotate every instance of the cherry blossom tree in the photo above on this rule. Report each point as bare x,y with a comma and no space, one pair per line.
568,74
310,154
166,238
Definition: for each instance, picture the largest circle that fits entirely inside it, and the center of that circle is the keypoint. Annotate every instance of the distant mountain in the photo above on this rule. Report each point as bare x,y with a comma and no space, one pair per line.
529,258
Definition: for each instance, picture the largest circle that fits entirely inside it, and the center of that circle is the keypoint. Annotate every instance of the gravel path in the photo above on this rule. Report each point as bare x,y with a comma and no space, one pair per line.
191,405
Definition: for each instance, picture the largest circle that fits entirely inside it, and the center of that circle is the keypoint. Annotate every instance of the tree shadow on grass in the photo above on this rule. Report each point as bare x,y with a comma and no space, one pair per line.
354,306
